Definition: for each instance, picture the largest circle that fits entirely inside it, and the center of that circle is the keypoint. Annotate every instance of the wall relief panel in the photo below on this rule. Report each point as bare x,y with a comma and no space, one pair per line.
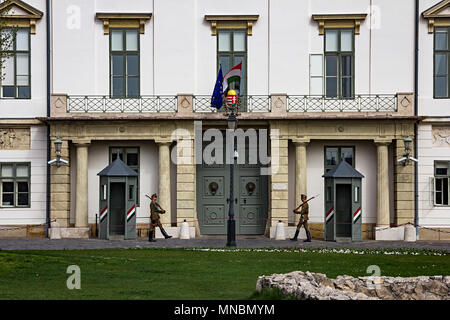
14,138
441,136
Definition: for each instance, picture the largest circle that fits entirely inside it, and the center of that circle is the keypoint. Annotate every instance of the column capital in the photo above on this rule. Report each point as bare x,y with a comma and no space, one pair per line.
382,142
82,142
301,142
162,142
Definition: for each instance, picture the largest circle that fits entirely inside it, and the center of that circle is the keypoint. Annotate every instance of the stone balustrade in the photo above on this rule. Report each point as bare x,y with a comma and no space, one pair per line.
195,106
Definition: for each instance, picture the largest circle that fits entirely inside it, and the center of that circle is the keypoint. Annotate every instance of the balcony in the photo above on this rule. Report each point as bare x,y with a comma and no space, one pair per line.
104,104
246,104
185,106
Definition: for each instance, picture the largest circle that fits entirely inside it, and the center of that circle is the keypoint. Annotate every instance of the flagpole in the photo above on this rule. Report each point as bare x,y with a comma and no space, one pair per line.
232,125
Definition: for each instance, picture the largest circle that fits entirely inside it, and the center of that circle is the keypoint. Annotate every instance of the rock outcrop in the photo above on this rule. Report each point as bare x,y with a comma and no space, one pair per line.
316,286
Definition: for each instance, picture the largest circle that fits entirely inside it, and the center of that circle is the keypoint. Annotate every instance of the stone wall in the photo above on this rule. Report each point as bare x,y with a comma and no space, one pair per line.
316,286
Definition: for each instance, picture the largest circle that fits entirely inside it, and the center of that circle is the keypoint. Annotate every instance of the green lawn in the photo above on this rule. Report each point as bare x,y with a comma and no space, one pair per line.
180,274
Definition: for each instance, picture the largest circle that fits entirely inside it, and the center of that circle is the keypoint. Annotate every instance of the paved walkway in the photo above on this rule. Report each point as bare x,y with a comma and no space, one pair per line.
214,242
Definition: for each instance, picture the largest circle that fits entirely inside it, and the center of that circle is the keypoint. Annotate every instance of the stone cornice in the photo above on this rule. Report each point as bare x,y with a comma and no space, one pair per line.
111,20
21,122
435,17
216,116
339,21
27,19
231,22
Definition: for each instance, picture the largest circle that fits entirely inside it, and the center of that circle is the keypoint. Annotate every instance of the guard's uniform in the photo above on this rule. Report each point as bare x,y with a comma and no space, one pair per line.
303,217
303,222
155,210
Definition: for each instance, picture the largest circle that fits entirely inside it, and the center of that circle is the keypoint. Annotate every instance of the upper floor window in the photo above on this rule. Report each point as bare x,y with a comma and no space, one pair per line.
15,184
15,80
339,63
232,50
124,63
334,155
441,62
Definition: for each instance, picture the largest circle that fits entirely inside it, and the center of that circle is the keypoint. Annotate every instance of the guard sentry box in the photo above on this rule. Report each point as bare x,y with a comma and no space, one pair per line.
117,211
343,209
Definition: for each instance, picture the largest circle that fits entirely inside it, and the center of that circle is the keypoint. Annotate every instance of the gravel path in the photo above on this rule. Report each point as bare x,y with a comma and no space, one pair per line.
214,242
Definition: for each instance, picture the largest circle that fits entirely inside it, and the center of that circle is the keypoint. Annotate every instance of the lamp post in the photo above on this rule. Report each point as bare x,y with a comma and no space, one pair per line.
58,145
407,141
58,160
232,124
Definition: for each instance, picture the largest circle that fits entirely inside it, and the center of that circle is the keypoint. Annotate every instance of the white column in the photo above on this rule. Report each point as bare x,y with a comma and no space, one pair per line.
81,197
300,172
383,212
164,182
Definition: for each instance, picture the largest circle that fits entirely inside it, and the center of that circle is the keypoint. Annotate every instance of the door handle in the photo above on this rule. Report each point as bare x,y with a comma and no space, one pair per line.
245,201
235,200
228,200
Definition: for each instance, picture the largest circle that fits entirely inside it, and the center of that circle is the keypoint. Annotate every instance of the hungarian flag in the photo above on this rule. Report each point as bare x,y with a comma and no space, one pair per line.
234,75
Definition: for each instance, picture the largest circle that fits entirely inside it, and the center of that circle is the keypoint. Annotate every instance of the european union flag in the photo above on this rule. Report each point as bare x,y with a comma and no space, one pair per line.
217,96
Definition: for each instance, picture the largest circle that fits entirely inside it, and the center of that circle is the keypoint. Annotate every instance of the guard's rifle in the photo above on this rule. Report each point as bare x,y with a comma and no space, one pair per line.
301,205
162,210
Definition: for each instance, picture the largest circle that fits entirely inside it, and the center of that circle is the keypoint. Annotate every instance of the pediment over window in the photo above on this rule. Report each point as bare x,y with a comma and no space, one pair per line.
438,15
20,14
124,20
327,21
231,22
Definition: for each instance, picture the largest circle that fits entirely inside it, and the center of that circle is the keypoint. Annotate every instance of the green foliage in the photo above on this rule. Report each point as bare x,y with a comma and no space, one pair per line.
7,38
165,274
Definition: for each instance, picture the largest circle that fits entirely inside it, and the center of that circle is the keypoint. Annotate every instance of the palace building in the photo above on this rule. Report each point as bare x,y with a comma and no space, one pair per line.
329,81
434,127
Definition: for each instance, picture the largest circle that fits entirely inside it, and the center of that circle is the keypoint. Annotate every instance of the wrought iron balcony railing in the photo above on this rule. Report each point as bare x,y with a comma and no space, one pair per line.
360,103
250,104
258,103
106,104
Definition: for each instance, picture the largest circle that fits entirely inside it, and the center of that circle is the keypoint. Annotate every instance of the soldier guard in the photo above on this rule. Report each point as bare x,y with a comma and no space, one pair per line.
155,211
303,219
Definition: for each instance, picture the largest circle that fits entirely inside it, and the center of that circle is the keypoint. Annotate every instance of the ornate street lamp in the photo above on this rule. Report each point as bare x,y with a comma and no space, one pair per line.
408,142
407,156
58,146
232,124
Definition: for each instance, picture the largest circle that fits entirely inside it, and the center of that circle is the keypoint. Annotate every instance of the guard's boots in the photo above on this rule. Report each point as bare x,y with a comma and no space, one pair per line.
165,234
150,237
308,236
296,235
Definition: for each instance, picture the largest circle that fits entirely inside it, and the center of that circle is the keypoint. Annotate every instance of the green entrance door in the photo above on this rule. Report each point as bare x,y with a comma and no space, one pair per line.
250,198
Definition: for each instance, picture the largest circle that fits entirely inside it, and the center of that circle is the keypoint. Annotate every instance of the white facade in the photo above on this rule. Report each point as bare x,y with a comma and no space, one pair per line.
37,105
178,55
178,52
37,156
18,120
433,132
